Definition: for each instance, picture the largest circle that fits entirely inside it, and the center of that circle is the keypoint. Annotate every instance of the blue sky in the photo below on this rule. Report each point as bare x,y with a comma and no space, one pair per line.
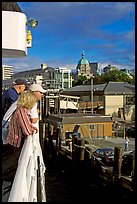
105,31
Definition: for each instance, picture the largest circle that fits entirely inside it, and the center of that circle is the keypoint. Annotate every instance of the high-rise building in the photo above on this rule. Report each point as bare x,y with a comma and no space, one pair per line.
7,72
63,78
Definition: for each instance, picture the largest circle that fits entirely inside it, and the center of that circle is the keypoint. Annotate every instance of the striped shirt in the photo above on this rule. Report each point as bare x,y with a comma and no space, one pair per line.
20,126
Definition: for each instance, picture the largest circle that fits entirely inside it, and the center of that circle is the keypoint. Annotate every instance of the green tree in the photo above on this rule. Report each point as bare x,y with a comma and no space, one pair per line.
112,75
117,76
80,80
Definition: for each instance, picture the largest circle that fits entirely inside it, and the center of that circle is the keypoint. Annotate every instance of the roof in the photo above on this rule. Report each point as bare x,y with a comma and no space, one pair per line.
33,71
110,88
119,88
118,120
78,118
11,6
83,60
28,71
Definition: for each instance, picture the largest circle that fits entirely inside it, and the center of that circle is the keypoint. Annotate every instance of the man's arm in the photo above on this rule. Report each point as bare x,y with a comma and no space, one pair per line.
34,114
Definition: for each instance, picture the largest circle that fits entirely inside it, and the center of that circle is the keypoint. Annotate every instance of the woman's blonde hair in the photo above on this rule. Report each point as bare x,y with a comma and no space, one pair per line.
27,99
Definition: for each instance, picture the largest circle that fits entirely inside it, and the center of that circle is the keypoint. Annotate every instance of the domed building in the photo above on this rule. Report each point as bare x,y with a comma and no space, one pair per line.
83,67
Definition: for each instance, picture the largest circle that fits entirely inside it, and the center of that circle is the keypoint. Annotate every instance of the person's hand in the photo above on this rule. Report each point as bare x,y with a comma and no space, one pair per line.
34,130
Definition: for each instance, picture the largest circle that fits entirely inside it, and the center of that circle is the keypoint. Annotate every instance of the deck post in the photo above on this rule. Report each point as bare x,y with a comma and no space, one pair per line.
42,134
81,143
118,151
74,141
133,174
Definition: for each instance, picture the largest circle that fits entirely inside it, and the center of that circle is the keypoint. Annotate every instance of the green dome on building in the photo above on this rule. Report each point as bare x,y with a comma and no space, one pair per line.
83,60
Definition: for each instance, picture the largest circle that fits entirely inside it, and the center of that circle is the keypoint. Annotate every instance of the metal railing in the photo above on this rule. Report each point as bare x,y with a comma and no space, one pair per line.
29,181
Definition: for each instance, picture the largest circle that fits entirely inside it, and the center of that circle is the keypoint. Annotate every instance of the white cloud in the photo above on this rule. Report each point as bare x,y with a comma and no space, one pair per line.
130,35
124,6
67,28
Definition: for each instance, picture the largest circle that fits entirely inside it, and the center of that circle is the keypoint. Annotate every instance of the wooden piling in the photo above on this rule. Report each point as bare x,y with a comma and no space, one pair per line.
81,144
133,174
74,142
88,153
42,134
118,151
78,148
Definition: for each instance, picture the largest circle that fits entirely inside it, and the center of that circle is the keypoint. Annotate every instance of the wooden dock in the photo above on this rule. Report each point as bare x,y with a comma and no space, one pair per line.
79,151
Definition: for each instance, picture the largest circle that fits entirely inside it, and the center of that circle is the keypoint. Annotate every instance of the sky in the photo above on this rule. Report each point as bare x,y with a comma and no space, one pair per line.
105,31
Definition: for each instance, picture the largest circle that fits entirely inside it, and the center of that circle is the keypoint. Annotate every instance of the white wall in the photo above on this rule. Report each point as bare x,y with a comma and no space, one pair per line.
113,103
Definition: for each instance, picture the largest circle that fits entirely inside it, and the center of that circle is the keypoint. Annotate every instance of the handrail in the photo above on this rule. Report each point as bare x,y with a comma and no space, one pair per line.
24,188
88,104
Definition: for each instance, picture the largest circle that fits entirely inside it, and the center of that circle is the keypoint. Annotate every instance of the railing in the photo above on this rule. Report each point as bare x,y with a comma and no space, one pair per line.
88,104
29,181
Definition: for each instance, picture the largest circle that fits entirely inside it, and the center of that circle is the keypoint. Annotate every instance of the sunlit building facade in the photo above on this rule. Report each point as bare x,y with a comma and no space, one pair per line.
7,72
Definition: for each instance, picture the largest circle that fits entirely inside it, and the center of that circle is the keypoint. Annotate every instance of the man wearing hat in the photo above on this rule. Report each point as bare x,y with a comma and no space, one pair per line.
11,95
38,92
34,112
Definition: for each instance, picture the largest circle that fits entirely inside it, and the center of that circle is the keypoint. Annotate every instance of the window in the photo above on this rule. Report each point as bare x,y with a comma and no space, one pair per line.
65,84
65,75
130,100
92,127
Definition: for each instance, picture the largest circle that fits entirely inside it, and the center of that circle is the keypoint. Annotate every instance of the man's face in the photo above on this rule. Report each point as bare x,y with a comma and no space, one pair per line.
21,88
38,95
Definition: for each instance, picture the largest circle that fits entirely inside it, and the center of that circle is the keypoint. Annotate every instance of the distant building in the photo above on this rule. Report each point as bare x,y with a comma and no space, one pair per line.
7,72
94,67
130,73
112,96
86,68
6,84
85,125
57,78
109,68
63,78
83,68
31,76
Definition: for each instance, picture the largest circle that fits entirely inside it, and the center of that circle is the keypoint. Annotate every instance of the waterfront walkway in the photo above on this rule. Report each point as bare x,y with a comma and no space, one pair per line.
111,142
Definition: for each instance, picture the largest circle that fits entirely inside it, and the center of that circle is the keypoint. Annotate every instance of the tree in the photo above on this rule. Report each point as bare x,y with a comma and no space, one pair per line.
112,75
80,80
117,76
